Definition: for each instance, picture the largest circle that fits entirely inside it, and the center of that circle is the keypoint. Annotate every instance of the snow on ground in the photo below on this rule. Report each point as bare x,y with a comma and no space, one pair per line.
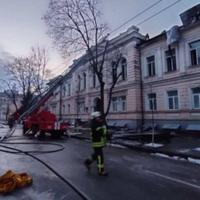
116,145
3,126
196,161
192,160
3,130
184,150
155,145
132,143
160,155
197,149
74,133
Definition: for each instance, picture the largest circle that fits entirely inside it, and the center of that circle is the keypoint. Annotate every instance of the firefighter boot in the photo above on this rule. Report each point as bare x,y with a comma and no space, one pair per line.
87,164
103,173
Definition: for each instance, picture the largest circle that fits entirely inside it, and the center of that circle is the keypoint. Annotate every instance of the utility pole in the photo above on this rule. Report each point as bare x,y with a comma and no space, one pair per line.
60,102
78,107
152,118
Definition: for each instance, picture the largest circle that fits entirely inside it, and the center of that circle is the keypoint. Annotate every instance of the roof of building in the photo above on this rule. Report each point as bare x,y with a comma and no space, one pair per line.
162,35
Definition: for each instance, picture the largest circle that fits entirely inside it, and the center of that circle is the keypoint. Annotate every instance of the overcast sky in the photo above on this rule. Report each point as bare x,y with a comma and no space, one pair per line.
22,27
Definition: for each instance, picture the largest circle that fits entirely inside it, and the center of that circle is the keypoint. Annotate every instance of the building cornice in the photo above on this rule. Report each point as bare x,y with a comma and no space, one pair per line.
174,80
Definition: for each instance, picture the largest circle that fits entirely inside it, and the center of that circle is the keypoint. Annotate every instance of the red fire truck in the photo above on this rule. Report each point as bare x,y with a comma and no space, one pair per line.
38,120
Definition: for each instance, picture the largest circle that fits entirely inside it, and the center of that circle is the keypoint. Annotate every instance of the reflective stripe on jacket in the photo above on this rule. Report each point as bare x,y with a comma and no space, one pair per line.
99,137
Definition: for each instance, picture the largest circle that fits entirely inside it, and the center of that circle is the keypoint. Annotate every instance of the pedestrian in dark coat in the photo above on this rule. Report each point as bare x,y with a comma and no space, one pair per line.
11,121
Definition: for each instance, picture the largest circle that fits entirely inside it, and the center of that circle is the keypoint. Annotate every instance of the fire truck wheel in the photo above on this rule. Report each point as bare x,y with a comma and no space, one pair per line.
24,130
34,129
55,135
41,136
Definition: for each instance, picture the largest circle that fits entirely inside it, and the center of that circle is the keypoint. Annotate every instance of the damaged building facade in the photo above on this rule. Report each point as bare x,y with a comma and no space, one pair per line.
160,86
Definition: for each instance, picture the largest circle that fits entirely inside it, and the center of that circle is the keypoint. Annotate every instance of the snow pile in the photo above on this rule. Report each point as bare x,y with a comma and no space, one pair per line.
196,161
154,145
160,155
116,145
197,149
184,150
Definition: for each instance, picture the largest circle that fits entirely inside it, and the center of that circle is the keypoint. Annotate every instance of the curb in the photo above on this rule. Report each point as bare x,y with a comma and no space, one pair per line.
148,149
152,150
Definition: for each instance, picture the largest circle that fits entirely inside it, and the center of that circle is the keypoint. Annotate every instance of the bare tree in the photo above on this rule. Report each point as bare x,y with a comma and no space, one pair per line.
38,62
10,90
13,98
75,25
28,73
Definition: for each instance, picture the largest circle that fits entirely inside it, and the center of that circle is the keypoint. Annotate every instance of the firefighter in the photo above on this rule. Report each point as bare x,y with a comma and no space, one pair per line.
98,142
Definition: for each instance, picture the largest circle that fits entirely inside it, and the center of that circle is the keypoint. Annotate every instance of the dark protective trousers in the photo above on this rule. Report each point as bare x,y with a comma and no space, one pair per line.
98,157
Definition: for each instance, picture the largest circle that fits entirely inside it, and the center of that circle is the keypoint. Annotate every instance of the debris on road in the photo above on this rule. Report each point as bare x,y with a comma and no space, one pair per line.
11,180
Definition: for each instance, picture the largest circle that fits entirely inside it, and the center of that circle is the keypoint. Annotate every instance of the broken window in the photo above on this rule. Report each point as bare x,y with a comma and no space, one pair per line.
195,52
170,60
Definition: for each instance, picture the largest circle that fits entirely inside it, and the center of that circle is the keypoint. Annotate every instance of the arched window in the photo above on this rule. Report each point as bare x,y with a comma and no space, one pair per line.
84,80
97,104
63,91
79,83
114,70
94,79
124,68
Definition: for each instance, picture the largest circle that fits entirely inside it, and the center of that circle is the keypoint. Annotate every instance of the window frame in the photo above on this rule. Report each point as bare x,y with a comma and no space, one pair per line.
124,69
152,65
197,53
84,81
193,95
152,101
174,98
119,104
172,60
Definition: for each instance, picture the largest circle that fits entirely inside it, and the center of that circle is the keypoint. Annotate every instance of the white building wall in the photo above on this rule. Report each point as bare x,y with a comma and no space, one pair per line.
183,79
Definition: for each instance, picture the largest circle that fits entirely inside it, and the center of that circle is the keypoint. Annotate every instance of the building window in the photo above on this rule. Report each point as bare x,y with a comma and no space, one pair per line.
114,70
81,107
195,52
68,108
124,68
94,79
119,68
64,110
170,60
79,83
84,81
69,90
151,66
196,97
118,104
152,101
64,91
173,100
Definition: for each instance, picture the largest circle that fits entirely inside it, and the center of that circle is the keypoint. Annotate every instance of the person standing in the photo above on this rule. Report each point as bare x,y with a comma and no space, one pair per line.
11,121
98,142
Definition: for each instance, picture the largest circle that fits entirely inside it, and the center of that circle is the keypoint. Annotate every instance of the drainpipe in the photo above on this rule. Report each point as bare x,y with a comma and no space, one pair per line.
60,102
141,92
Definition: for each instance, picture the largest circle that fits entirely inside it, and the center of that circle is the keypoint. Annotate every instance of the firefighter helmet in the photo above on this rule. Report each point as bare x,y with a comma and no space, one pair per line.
96,114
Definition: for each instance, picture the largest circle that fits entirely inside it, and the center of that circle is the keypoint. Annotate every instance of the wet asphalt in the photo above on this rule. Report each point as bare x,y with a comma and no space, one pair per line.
132,175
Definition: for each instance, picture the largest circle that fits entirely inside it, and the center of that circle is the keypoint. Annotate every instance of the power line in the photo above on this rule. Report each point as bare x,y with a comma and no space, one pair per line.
134,17
137,15
147,19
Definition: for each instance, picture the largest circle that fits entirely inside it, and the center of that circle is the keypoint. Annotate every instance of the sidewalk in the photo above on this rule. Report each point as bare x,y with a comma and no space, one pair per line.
181,146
